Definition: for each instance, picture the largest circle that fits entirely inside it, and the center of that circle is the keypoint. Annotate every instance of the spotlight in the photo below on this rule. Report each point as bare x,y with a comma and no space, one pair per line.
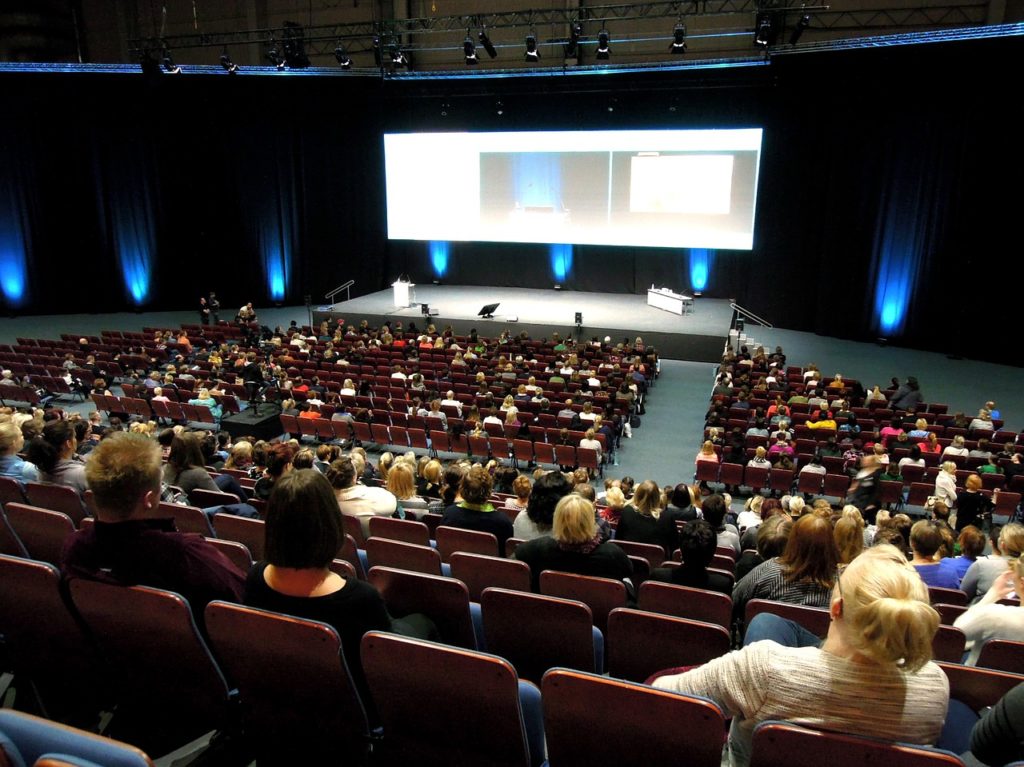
499,107
469,51
571,47
603,49
275,58
485,41
798,30
229,66
678,39
342,57
532,54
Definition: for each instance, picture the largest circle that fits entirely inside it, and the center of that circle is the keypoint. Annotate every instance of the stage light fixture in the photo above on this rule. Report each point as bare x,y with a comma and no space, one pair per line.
678,45
228,65
798,30
469,51
572,46
499,107
603,48
169,66
342,57
532,54
485,41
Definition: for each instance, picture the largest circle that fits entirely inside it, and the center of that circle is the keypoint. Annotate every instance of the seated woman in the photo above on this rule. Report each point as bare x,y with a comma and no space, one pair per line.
52,452
945,484
185,467
644,521
873,675
1007,548
522,488
11,464
987,619
760,460
279,463
205,399
802,575
536,520
474,510
402,485
574,546
303,534
972,544
925,542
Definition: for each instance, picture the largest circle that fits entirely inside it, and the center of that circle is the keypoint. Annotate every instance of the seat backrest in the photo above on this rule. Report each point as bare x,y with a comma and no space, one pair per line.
641,643
601,595
948,644
405,675
452,539
479,572
1002,654
204,499
407,530
580,732
778,743
10,543
42,531
653,553
159,660
686,602
292,679
188,519
56,498
251,532
937,594
978,687
34,738
404,556
518,626
10,491
44,641
444,600
814,619
238,553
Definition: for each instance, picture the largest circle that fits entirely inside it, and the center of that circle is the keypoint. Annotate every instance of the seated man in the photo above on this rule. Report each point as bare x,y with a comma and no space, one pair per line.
132,542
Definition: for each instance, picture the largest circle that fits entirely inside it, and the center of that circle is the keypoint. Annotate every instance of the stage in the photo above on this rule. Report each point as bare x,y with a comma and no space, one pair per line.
698,335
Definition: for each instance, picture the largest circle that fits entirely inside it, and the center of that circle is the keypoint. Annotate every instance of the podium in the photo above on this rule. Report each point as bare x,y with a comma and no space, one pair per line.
403,293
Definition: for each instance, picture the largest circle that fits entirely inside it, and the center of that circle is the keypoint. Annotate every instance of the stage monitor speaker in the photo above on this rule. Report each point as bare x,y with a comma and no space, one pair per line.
487,312
579,318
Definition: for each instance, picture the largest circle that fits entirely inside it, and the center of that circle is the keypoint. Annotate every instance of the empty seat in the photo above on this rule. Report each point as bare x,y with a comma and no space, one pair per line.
404,556
488,716
42,531
56,498
601,595
452,539
479,572
686,602
444,600
640,643
38,741
592,720
298,700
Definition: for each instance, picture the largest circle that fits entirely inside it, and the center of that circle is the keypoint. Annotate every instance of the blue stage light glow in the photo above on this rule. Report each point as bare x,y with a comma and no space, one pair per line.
894,282
135,270
275,253
561,261
701,260
439,251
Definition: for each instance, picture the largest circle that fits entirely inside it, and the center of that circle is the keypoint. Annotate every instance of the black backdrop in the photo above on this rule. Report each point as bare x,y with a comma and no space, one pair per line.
217,167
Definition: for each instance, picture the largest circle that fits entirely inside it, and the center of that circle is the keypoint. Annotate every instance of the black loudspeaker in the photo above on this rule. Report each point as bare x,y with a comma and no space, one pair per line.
579,318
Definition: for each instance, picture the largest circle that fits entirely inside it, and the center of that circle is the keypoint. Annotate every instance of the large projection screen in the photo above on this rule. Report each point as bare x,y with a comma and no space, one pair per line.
653,188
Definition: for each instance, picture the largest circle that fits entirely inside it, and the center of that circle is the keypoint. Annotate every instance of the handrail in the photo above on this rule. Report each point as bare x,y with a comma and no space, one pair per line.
747,313
348,294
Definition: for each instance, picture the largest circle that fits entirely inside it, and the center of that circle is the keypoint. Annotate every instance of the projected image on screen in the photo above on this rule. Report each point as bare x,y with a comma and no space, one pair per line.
643,188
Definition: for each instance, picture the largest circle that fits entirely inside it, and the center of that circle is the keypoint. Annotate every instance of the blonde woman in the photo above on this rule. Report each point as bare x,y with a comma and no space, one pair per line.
987,619
873,675
240,457
402,485
11,464
945,484
616,503
574,545
642,519
1006,551
760,460
849,537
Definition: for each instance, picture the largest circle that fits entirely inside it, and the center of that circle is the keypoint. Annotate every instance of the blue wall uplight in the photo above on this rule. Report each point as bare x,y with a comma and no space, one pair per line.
13,246
275,253
439,251
701,261
561,261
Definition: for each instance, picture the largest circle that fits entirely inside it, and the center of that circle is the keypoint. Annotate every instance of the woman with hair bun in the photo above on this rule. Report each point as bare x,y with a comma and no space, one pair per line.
872,676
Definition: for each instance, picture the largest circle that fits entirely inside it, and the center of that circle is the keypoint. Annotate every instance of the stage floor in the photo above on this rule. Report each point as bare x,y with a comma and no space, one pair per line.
698,335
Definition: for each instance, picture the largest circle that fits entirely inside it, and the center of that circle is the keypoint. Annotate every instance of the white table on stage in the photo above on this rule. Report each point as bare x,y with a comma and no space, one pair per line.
403,293
670,301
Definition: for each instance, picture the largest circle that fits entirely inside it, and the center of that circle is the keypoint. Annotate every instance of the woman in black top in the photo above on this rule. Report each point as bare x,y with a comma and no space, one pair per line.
574,546
971,504
644,521
303,534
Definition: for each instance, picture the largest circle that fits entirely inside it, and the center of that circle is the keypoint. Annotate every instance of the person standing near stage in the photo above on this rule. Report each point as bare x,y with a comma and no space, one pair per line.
204,311
214,306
